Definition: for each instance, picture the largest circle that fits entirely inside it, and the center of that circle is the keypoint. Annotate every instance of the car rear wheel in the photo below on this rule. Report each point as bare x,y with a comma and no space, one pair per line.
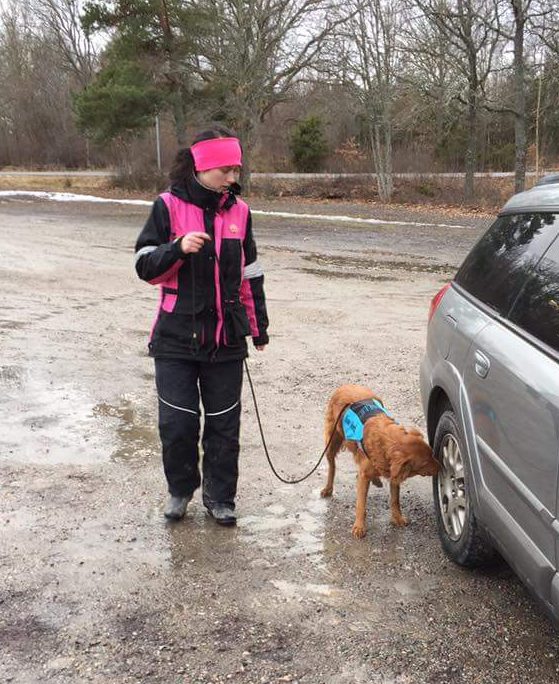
459,532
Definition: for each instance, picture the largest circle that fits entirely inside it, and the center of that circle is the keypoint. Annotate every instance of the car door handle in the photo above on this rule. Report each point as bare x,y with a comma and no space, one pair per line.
482,364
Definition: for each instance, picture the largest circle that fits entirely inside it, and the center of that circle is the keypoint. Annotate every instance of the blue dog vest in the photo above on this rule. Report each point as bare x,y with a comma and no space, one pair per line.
355,417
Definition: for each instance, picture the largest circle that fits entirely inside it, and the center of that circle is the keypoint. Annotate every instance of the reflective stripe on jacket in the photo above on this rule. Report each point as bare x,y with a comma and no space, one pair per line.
210,300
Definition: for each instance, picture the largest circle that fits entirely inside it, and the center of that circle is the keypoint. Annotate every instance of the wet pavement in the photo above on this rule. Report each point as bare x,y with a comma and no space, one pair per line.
96,587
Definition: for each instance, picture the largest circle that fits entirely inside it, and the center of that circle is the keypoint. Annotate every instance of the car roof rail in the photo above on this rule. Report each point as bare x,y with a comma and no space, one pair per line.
550,179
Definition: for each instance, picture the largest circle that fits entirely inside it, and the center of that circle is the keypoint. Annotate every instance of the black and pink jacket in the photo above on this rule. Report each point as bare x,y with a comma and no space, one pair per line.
211,300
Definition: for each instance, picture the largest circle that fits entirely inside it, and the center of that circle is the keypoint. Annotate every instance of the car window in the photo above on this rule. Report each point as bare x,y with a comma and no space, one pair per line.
498,265
537,307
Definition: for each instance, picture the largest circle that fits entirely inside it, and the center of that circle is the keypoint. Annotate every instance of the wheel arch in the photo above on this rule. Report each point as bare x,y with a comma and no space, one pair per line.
438,404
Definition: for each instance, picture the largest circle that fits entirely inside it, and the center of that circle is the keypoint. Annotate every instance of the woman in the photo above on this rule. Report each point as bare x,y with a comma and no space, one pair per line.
197,245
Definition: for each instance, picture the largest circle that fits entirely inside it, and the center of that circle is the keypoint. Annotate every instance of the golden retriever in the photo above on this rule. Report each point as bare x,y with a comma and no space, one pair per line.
391,451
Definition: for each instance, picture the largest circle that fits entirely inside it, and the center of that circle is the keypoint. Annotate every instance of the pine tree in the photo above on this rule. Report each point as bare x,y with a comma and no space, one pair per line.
118,104
308,145
160,38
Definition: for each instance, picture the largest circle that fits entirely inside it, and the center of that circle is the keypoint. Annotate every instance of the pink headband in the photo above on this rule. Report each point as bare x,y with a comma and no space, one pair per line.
217,152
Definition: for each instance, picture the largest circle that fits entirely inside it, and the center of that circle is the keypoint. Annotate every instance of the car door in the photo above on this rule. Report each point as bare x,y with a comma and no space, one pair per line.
536,313
512,380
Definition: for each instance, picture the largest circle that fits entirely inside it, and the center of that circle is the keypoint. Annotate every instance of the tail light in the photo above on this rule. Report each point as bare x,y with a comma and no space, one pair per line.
437,299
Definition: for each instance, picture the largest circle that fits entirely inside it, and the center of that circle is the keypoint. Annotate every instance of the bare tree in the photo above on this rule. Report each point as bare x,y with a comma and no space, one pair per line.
371,61
466,25
515,21
429,78
257,52
520,10
544,23
36,122
61,21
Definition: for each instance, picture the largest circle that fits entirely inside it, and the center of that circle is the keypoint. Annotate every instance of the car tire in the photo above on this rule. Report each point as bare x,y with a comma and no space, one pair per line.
461,537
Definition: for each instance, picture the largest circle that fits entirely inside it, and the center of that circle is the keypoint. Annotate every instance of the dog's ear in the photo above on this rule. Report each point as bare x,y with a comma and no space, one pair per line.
400,468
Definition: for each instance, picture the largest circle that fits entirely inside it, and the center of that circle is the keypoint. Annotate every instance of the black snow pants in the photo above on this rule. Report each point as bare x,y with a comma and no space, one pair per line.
180,384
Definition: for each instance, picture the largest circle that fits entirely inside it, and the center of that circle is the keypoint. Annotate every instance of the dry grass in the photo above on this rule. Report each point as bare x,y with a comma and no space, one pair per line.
103,186
490,193
62,183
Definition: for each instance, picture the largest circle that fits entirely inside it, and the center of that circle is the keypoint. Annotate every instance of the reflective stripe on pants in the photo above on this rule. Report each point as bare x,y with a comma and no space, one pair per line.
180,385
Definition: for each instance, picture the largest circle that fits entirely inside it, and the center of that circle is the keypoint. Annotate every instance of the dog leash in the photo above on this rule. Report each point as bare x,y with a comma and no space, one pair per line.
283,479
270,463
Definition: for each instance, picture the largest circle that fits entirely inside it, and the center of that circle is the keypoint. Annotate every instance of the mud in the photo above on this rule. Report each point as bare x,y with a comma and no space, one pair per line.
344,275
96,587
363,266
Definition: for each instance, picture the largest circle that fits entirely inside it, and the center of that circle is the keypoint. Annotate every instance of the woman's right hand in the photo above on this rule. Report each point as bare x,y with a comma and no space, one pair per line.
193,242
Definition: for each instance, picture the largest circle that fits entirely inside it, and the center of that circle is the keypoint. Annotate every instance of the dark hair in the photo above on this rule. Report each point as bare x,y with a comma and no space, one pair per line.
183,166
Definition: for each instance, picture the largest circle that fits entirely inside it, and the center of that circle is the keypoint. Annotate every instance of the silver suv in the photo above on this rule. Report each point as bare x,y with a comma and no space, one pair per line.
490,392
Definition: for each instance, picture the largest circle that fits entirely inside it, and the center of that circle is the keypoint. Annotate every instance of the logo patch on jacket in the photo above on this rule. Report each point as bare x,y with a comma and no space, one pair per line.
233,228
356,415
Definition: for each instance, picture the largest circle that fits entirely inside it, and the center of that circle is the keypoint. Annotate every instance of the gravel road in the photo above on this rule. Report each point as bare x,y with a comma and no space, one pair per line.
96,587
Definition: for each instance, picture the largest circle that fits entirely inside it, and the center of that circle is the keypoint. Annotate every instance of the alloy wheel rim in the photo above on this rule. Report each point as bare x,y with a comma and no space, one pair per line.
452,493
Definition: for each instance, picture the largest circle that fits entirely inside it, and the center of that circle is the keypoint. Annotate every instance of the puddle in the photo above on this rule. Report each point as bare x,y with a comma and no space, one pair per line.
408,589
414,588
137,440
96,553
292,591
11,377
378,264
346,274
6,324
42,422
197,542
299,533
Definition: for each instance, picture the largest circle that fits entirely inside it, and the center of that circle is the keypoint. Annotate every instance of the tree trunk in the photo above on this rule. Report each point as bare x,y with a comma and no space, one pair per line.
380,135
245,180
519,99
245,131
177,103
388,160
124,158
179,116
471,149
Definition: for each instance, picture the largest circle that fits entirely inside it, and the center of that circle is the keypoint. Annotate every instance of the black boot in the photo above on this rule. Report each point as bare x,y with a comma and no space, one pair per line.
176,507
223,514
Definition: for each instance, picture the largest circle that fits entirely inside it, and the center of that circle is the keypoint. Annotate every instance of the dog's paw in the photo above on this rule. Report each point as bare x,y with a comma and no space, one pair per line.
358,531
326,492
399,520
